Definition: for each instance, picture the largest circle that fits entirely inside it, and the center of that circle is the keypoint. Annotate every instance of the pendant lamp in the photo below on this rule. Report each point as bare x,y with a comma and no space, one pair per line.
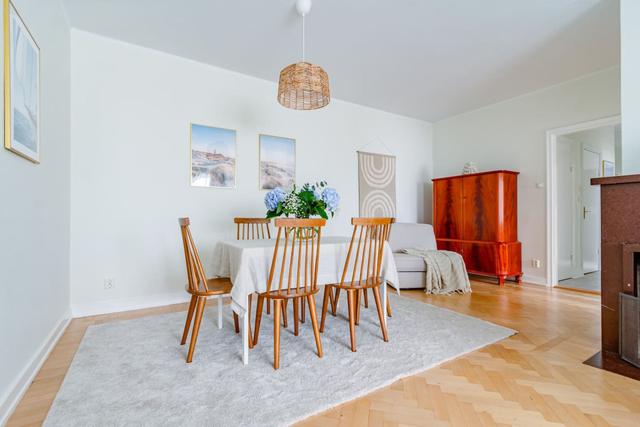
303,85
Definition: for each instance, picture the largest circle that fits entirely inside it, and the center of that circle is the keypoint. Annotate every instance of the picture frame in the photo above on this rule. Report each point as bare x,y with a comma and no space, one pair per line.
277,162
213,156
608,168
21,86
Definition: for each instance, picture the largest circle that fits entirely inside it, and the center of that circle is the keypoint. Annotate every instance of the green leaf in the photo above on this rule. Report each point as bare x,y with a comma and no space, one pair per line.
323,213
306,196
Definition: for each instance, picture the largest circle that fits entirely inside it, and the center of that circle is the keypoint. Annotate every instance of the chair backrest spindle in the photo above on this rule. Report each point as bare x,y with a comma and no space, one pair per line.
367,251
195,270
252,228
295,259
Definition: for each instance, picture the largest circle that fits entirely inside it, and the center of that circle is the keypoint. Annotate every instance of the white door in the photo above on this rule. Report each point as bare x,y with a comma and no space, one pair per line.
590,212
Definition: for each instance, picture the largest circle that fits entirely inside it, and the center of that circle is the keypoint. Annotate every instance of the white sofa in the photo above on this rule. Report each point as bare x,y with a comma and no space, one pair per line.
411,269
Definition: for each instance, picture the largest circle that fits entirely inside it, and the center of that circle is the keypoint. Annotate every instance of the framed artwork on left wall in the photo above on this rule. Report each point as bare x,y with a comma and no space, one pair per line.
213,157
21,87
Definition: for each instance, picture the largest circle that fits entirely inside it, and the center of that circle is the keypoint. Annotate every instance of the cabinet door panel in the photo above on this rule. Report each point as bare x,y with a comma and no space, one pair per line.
479,257
510,259
480,199
447,220
510,215
448,245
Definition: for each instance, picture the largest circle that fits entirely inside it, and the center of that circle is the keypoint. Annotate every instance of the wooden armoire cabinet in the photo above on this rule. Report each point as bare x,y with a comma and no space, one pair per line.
476,215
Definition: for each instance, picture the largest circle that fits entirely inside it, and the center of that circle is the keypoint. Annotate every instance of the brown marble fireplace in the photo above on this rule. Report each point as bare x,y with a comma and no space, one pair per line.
620,249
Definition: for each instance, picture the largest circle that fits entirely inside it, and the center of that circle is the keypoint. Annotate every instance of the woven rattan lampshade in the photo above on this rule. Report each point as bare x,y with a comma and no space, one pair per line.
303,86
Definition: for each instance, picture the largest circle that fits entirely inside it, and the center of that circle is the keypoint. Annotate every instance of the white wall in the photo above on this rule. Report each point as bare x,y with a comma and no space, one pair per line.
131,109
630,82
601,140
512,135
34,216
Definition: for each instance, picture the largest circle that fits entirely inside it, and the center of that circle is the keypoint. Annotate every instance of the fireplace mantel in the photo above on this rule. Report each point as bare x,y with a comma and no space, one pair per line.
620,232
613,180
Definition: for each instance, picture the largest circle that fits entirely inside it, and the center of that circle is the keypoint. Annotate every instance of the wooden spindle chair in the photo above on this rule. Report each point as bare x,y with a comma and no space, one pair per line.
200,288
252,228
367,250
255,229
293,276
334,297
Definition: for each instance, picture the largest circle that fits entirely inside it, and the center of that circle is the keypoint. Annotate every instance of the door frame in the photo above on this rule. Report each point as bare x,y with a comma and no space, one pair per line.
581,232
552,188
575,156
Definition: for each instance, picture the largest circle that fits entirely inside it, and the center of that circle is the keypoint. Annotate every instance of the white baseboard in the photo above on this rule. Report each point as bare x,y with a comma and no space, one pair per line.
95,308
535,280
19,387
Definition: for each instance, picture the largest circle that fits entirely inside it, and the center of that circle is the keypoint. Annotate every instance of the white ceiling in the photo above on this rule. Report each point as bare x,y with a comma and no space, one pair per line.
428,59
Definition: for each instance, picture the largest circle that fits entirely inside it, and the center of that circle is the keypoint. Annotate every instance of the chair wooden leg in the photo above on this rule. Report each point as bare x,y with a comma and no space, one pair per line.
187,324
302,310
268,306
334,307
328,292
358,297
352,317
365,292
276,332
314,323
256,331
296,319
283,306
236,322
196,327
383,324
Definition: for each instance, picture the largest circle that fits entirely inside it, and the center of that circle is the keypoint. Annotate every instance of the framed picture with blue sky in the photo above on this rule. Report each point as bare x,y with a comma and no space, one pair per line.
277,162
21,87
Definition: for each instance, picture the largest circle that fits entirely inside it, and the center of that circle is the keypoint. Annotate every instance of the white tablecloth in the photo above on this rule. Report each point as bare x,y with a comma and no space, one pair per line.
247,263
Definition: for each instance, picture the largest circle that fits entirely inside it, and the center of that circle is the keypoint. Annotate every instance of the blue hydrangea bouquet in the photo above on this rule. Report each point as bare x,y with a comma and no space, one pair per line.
310,200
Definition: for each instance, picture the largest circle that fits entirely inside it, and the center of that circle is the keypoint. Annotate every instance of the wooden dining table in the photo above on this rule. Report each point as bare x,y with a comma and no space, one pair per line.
247,264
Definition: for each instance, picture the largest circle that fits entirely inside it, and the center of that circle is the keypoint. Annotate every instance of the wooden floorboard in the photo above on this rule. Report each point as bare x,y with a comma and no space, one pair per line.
534,378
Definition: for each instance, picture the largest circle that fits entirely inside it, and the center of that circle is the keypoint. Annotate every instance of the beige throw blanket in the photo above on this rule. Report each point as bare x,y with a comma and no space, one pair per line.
446,272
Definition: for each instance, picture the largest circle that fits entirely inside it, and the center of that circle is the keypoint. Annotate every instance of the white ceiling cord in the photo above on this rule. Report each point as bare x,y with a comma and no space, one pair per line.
303,7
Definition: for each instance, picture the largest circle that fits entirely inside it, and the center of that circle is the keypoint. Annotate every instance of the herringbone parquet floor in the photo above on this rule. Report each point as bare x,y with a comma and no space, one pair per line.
535,378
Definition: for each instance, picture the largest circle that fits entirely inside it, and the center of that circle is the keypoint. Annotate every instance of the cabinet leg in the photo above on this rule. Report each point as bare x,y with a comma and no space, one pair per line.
519,279
501,280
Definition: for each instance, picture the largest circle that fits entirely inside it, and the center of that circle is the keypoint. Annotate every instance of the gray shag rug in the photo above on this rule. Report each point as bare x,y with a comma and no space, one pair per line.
133,372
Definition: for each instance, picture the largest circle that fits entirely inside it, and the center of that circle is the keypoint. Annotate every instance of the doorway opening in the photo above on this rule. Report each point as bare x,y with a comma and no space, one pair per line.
576,154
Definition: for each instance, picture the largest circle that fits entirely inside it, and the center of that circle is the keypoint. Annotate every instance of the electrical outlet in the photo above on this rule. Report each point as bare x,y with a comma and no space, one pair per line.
109,283
535,263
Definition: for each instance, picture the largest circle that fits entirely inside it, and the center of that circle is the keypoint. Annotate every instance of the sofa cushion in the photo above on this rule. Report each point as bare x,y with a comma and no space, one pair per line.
406,262
408,235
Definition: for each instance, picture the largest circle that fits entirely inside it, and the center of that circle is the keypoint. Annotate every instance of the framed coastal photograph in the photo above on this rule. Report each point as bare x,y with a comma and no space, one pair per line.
608,168
21,87
213,157
277,162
